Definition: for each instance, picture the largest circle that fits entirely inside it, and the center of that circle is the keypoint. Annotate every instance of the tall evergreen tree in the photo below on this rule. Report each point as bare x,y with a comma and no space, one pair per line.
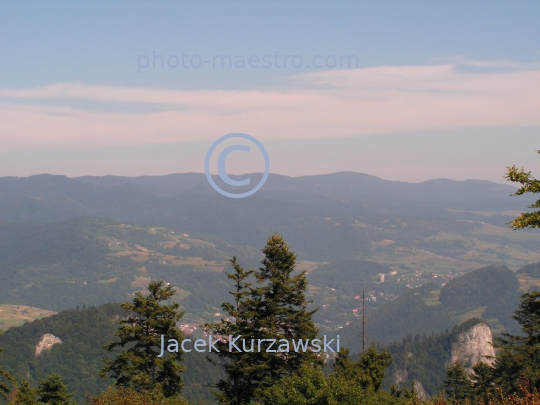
519,355
140,334
4,389
274,307
53,391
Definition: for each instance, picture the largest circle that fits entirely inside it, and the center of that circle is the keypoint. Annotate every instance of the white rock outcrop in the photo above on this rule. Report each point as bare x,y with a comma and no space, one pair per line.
422,394
473,346
46,343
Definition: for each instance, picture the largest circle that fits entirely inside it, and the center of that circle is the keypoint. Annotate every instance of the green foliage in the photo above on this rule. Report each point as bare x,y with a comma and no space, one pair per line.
274,307
139,366
424,358
406,315
517,364
130,396
83,334
481,287
405,392
457,385
4,389
483,385
322,226
493,287
519,355
26,395
368,372
61,265
310,387
528,185
53,391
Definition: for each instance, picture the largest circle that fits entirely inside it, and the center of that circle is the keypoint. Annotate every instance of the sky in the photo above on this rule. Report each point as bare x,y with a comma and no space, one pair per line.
404,90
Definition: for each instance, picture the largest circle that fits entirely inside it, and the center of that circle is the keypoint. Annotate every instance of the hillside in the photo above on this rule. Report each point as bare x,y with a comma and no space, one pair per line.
490,292
439,224
87,261
425,358
79,356
532,270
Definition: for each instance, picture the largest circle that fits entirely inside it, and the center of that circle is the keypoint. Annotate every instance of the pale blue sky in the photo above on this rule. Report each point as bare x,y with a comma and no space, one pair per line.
96,46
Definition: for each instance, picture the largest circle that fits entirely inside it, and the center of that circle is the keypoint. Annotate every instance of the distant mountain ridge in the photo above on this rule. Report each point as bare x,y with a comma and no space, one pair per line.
341,183
325,217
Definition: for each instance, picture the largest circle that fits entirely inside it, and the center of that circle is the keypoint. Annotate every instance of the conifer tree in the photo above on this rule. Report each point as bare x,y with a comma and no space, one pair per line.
4,389
274,307
528,185
368,371
139,366
458,384
342,364
519,355
482,380
26,395
53,391
237,388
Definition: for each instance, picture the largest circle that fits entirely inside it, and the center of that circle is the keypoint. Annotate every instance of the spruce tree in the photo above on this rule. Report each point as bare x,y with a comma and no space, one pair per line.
26,395
237,388
4,389
368,371
458,384
519,355
343,366
482,380
274,307
139,366
53,391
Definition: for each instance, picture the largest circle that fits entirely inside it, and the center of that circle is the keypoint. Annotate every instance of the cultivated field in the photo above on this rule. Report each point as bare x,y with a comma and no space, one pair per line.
16,315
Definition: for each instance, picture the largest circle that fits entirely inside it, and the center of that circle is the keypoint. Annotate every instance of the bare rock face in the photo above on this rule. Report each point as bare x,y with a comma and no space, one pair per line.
46,343
472,346
422,394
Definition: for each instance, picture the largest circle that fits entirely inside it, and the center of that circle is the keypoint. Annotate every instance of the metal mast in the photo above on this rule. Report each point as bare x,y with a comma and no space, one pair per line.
363,322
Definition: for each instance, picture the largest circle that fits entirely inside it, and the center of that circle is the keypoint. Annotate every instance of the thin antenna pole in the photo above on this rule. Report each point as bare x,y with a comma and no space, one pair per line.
363,322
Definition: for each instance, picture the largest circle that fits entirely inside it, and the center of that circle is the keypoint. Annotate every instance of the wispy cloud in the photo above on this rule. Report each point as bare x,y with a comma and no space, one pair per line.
344,103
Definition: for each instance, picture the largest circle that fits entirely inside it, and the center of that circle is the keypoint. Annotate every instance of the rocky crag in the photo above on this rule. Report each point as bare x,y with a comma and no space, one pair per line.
46,343
473,346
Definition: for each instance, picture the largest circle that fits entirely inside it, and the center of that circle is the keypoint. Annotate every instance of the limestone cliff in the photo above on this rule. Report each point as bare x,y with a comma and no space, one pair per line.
422,394
472,346
46,343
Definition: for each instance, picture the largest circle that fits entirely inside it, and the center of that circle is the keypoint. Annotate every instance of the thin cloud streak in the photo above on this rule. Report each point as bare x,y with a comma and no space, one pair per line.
344,103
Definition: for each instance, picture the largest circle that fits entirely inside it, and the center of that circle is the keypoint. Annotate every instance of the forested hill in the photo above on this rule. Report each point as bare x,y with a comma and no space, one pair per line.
532,269
78,357
490,292
494,288
424,358
324,218
88,261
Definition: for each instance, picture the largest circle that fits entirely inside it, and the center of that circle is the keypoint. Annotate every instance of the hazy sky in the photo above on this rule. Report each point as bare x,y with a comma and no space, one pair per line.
405,90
